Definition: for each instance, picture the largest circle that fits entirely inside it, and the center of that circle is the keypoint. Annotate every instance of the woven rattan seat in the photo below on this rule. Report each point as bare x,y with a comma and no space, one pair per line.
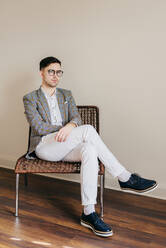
89,115
42,166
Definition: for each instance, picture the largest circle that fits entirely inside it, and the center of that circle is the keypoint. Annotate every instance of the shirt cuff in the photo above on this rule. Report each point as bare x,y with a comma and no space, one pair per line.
74,123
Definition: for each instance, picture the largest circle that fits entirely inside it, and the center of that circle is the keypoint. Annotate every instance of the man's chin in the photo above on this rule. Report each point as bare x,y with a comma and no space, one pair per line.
53,85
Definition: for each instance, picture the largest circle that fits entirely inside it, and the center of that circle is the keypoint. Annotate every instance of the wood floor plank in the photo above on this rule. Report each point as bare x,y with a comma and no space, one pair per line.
49,216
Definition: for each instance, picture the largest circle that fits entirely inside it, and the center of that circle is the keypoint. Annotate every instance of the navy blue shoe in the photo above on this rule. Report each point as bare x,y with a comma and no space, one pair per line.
98,226
138,184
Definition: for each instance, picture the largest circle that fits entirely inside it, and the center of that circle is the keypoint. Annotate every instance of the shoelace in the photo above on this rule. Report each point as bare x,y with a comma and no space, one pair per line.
99,221
136,178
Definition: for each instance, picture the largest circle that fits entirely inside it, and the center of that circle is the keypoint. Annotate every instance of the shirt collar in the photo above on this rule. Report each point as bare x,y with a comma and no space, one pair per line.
46,94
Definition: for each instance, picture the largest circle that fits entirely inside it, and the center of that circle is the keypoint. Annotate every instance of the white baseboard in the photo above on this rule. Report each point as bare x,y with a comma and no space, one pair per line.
110,183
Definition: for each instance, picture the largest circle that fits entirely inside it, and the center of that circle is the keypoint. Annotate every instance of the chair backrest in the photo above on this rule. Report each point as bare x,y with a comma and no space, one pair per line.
89,115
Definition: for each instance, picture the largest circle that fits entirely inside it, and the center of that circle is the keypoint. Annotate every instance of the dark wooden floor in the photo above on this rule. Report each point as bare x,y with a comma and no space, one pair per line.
50,210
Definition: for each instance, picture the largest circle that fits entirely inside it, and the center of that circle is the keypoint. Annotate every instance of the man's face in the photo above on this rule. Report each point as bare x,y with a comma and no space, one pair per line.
51,75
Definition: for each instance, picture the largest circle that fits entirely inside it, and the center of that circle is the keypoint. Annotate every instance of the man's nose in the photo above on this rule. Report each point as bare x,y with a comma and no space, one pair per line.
55,76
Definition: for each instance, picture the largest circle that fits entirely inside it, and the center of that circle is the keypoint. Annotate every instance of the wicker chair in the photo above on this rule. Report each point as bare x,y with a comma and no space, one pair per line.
89,115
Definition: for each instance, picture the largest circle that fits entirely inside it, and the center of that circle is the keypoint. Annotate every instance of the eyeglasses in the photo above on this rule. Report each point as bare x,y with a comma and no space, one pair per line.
58,73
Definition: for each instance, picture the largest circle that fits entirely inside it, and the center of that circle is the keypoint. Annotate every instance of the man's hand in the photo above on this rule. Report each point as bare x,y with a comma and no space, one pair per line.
63,133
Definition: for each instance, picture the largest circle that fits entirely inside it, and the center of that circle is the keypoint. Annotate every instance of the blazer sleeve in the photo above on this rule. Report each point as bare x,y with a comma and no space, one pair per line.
39,126
74,115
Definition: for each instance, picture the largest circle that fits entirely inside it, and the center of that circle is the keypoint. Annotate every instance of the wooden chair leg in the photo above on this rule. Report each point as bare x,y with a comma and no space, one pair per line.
26,180
101,196
17,193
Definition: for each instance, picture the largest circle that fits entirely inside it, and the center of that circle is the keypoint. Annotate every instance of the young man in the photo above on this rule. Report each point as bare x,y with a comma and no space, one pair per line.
57,134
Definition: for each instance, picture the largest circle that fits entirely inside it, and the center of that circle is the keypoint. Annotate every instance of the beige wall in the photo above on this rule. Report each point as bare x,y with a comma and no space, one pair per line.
113,54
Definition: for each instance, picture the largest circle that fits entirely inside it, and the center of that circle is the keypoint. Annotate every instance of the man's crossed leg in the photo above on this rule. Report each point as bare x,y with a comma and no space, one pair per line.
84,144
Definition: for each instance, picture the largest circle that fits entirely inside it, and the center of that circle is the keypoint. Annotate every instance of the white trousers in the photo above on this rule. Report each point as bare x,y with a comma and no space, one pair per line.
85,145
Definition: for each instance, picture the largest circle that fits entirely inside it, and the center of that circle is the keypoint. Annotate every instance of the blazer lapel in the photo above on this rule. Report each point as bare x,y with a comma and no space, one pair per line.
44,103
61,103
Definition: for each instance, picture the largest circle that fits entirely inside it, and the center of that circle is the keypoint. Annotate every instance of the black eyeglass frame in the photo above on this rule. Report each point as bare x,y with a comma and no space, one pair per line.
51,72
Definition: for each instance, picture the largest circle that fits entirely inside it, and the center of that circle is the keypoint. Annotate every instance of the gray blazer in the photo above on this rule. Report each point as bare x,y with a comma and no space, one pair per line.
38,114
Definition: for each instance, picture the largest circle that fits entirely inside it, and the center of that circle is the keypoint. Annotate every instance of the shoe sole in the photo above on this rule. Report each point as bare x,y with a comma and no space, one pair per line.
142,191
98,233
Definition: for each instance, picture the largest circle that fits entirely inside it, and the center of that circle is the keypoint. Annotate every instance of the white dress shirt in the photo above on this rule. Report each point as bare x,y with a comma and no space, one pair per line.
56,118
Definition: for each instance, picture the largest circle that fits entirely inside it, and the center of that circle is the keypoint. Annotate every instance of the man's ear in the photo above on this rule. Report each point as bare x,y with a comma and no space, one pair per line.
41,73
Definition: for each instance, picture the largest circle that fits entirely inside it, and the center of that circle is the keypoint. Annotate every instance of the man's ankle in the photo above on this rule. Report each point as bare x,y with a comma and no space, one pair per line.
124,176
88,209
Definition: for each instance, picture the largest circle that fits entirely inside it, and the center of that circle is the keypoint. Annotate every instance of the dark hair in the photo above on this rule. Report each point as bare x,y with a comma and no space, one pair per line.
47,61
